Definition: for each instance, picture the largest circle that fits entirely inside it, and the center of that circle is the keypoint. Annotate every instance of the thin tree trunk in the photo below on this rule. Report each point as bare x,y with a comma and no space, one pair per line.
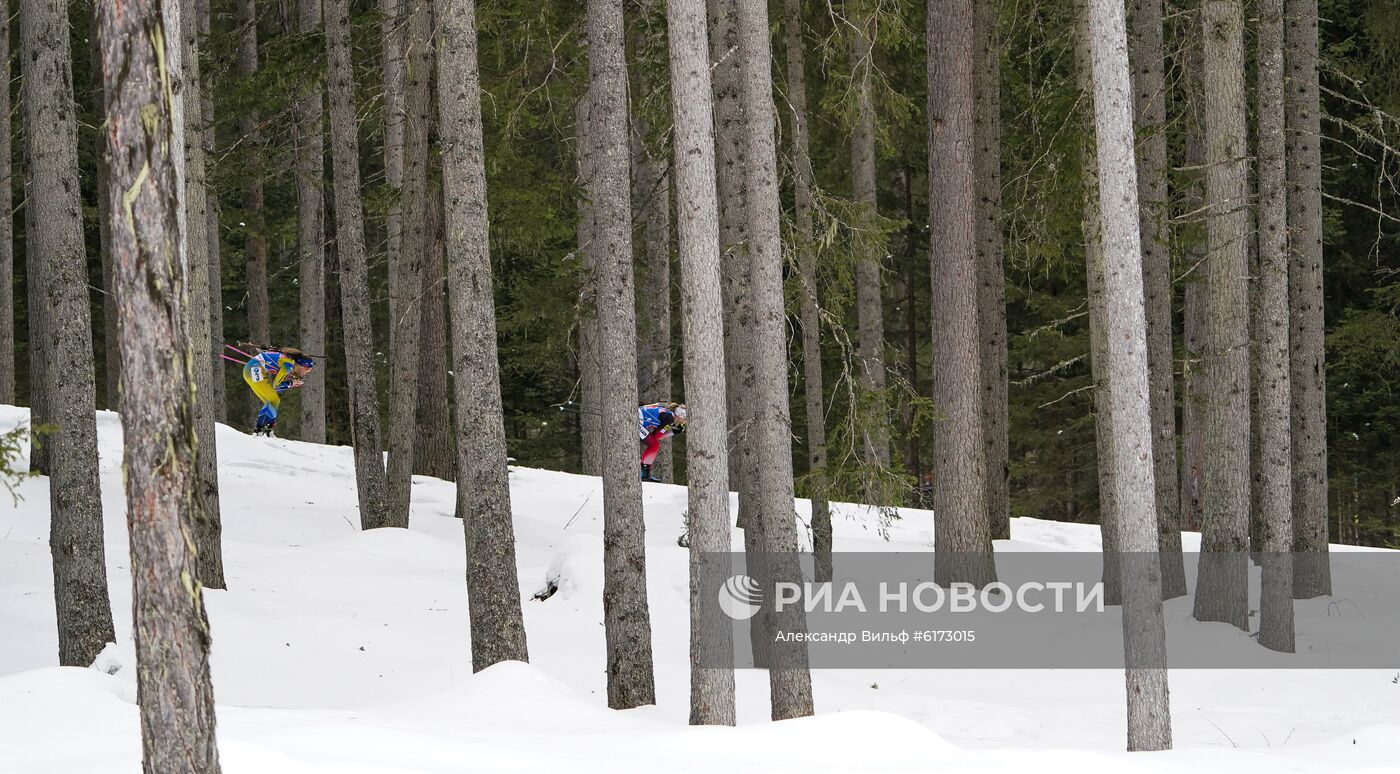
1091,222
54,234
406,324
483,491
311,234
1150,118
870,315
110,355
790,684
651,186
434,456
255,243
1274,487
1312,573
1144,634
1221,586
590,370
730,188
393,41
702,316
8,364
147,135
627,621
962,532
216,276
1194,323
810,306
207,365
354,282
991,278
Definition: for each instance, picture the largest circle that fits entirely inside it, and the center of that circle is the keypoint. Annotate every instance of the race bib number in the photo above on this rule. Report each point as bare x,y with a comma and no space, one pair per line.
257,373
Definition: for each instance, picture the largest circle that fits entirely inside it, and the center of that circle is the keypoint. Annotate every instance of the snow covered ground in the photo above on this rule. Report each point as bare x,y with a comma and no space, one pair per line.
337,650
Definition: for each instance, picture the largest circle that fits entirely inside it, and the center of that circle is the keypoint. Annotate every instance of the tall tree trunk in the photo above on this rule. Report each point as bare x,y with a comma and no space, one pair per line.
434,456
207,364
702,316
991,277
870,315
1312,573
730,188
790,684
255,243
311,234
406,324
147,136
354,280
590,368
8,364
1221,586
627,620
110,355
216,272
962,532
1274,487
810,306
651,187
393,41
1150,118
1194,322
54,235
1091,223
483,491
1144,634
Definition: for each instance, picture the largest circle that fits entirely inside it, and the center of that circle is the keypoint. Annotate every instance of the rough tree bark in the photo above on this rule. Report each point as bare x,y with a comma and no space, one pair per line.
255,243
354,280
208,366
146,148
790,684
991,277
483,491
627,620
7,225
54,236
311,234
651,190
1144,634
962,532
1221,585
1274,486
702,316
807,268
1150,118
730,188
406,322
434,456
1312,572
870,314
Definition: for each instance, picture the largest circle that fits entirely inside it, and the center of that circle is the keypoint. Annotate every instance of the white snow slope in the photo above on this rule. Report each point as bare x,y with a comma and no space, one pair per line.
337,650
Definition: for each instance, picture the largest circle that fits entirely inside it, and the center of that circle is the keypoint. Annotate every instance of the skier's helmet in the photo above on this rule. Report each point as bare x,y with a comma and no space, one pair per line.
679,413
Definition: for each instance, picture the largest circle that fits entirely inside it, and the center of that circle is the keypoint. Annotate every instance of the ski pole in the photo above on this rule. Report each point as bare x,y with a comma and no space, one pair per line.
239,351
577,408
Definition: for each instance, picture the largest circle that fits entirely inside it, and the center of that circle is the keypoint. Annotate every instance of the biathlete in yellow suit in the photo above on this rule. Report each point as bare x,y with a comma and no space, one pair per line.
271,373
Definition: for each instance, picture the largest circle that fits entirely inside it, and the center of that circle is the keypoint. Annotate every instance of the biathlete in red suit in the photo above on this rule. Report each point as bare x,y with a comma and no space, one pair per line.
656,421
